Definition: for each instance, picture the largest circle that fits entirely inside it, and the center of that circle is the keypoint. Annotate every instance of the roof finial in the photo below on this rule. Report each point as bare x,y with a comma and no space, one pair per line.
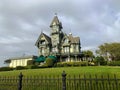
55,14
70,32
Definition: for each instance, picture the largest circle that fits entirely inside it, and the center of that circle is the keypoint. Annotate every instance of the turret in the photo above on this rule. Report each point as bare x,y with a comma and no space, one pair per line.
56,33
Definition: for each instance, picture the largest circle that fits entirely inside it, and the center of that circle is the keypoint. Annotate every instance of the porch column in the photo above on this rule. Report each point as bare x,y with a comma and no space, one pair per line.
69,55
60,59
69,58
75,57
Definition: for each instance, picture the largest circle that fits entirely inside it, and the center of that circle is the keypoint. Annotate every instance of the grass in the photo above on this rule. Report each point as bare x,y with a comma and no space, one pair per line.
98,70
35,83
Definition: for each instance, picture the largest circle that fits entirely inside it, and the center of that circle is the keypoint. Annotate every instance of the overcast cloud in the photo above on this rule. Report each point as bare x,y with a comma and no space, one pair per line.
21,22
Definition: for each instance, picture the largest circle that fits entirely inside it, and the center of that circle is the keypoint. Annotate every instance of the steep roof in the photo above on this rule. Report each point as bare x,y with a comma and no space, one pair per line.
73,39
46,37
56,21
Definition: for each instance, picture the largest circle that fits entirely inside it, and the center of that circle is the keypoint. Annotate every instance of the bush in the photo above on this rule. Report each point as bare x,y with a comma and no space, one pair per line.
34,67
84,63
49,62
36,63
30,62
91,64
114,63
43,66
20,68
59,64
63,64
6,69
74,64
31,67
66,64
99,60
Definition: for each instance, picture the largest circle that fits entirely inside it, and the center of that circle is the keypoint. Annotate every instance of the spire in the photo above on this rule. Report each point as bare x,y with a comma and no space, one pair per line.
55,14
56,21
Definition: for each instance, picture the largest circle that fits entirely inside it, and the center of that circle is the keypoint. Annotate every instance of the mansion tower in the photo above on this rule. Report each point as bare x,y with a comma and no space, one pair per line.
64,47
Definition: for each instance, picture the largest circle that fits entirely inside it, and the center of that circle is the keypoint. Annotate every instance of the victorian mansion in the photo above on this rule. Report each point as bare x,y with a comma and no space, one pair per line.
64,47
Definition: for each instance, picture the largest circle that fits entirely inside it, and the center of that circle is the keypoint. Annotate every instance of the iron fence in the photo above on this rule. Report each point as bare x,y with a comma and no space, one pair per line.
62,82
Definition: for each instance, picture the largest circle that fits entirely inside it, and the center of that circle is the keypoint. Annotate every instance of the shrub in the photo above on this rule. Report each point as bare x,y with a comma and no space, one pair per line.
43,66
6,69
30,62
114,63
59,64
91,64
20,68
49,62
84,63
65,64
34,67
74,64
99,60
31,67
36,63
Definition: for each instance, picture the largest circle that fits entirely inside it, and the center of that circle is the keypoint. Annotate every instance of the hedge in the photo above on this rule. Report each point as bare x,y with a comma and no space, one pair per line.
6,69
69,64
114,63
20,68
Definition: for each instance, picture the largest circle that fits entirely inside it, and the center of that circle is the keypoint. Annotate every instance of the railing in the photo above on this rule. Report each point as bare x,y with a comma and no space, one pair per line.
63,82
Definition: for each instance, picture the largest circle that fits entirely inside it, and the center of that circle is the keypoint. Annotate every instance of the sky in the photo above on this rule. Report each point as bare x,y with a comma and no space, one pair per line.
21,21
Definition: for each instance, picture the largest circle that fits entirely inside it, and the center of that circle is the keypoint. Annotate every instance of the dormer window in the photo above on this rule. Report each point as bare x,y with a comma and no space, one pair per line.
42,42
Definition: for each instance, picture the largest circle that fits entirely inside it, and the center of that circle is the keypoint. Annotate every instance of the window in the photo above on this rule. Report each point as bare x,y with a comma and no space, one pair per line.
42,42
54,49
74,48
77,49
42,51
66,49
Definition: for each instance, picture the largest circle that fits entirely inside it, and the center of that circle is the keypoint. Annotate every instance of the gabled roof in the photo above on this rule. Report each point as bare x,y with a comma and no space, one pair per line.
74,39
77,39
48,39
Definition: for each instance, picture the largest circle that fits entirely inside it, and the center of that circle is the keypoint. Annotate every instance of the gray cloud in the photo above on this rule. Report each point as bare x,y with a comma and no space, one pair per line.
21,21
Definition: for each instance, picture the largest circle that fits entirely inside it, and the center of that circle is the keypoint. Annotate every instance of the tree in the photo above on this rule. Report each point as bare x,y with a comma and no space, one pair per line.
109,51
99,60
88,55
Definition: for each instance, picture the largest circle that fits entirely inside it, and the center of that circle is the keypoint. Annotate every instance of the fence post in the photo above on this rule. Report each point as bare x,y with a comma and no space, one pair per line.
63,80
20,82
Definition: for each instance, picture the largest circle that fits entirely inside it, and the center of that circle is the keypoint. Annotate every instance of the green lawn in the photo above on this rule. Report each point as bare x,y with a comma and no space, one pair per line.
98,70
48,78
